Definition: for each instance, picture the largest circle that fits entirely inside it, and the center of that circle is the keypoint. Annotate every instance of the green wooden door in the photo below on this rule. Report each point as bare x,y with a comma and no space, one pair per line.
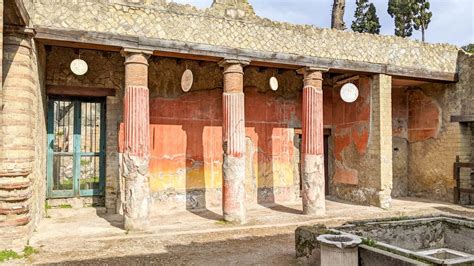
76,147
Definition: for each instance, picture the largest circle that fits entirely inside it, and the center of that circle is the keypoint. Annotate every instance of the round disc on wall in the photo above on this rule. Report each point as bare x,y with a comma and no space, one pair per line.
187,80
349,93
273,83
79,67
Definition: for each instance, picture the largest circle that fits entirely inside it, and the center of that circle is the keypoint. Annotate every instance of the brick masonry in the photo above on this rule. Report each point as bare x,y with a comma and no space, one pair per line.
428,155
22,123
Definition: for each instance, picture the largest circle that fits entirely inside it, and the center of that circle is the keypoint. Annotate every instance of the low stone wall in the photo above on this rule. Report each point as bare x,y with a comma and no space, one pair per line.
393,241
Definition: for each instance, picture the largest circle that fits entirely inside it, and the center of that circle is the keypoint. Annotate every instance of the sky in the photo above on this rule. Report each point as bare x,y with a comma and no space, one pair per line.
452,20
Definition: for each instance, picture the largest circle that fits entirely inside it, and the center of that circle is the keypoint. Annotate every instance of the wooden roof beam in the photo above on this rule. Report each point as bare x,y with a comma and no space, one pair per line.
215,53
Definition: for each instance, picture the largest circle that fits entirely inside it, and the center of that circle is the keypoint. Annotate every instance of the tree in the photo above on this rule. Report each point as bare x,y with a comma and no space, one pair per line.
402,12
421,16
337,19
366,19
469,48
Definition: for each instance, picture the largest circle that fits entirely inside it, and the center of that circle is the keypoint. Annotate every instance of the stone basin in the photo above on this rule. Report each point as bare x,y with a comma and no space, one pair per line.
438,240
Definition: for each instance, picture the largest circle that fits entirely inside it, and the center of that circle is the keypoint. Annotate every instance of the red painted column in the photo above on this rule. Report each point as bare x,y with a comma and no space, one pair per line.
313,143
136,208
233,139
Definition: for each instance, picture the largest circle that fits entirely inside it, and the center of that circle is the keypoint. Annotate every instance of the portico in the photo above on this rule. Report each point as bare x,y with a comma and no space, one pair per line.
232,141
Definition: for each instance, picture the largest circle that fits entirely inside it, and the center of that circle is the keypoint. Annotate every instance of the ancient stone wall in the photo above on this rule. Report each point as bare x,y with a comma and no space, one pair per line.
39,133
431,158
363,144
184,23
400,141
1,49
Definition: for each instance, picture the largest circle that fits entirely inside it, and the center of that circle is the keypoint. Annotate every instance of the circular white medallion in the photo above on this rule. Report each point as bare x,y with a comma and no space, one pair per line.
79,67
187,80
273,83
349,93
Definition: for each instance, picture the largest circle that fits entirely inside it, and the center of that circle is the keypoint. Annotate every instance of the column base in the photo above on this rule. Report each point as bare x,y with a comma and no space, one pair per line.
384,199
314,198
135,224
137,203
233,192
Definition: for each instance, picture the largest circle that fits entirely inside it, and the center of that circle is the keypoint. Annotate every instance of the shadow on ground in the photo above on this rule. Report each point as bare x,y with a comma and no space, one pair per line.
267,250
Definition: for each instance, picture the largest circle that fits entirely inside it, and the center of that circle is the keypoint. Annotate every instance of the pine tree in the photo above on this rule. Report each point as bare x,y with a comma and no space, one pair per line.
366,19
422,16
402,12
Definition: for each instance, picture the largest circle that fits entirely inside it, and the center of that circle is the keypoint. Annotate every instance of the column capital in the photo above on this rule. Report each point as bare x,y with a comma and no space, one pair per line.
313,76
234,61
136,56
125,51
310,69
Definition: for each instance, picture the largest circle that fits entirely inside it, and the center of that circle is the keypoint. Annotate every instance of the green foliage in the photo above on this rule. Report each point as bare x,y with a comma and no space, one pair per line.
11,255
8,255
421,16
29,250
402,12
469,48
410,15
65,206
366,19
368,242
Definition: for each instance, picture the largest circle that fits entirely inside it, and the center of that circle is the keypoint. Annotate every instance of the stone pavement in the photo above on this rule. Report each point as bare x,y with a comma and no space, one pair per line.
89,236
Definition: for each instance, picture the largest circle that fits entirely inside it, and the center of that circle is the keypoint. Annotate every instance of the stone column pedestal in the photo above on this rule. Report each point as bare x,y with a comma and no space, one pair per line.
136,208
339,250
233,139
312,150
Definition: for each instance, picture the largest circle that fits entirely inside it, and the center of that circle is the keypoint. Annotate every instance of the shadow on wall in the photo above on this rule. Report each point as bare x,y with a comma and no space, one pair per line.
195,162
266,171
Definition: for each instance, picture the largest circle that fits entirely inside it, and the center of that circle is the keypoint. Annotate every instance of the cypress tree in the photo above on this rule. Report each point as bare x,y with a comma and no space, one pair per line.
366,19
402,12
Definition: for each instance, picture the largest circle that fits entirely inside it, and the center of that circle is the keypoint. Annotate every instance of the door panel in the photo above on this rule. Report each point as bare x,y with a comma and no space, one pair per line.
76,147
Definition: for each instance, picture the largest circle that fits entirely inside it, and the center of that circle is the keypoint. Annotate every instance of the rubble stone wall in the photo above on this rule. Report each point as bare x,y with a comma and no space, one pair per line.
238,28
430,167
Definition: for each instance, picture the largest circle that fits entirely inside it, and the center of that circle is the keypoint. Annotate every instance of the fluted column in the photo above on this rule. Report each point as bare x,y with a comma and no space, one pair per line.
233,139
136,208
313,143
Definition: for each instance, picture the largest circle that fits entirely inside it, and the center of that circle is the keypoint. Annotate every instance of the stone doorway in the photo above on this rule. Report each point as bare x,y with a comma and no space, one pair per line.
76,148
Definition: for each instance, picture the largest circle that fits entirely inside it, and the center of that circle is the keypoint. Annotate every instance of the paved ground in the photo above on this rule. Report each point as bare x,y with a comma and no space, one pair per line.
88,236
